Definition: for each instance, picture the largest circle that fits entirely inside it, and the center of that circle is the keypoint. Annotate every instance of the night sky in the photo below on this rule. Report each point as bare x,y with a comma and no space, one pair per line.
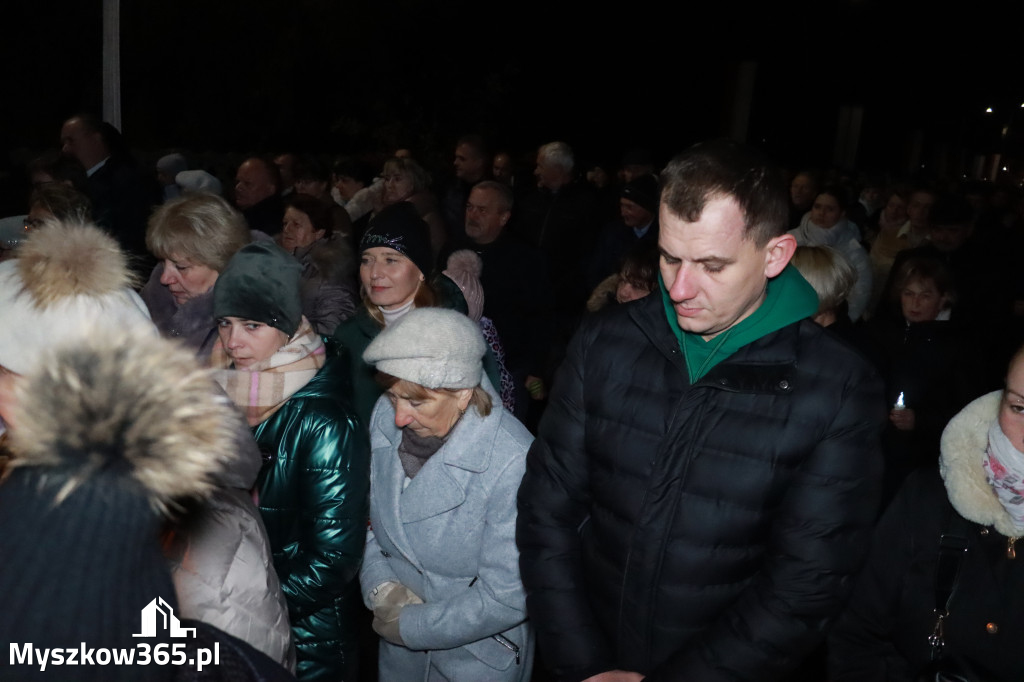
351,76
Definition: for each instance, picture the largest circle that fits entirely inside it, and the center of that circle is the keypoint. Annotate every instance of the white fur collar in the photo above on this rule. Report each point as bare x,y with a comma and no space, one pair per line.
963,446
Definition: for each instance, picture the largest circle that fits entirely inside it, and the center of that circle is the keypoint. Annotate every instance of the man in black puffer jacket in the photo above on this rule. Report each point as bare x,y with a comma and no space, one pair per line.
708,470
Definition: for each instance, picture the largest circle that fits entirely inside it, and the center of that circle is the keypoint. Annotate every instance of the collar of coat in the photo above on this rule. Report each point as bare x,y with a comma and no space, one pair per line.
765,366
436,489
963,448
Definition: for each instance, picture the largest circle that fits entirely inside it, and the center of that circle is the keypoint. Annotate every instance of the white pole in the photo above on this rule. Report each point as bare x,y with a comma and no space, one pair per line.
112,62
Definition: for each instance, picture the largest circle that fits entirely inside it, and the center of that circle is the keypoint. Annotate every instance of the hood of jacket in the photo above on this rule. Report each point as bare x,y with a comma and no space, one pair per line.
809,233
964,443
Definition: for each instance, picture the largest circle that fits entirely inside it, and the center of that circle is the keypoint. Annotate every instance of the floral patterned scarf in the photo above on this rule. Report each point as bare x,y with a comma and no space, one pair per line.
1004,468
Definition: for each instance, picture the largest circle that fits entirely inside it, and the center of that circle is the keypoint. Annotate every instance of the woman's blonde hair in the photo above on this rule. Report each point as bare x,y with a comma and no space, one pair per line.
202,228
828,272
417,174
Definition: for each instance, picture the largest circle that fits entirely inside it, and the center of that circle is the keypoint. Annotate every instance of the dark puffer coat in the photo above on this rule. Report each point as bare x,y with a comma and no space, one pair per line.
704,532
314,502
883,636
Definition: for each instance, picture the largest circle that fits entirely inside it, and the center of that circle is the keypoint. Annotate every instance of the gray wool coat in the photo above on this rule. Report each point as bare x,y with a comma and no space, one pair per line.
450,538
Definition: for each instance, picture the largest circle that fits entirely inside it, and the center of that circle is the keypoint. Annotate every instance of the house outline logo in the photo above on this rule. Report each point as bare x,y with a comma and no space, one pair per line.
159,613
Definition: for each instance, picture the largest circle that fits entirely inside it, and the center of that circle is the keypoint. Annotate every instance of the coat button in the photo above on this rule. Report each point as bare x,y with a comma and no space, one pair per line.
984,531
386,555
723,382
991,628
784,385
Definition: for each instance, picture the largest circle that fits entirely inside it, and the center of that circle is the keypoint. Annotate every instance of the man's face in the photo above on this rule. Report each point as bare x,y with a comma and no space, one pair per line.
286,167
253,184
469,165
949,238
918,207
715,276
485,218
633,214
502,168
802,190
78,142
549,176
871,195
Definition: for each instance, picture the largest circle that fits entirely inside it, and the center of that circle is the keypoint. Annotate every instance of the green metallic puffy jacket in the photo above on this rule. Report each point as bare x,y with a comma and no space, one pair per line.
314,501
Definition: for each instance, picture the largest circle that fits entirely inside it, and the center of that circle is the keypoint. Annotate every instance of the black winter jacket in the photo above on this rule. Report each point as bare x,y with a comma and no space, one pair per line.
705,532
883,635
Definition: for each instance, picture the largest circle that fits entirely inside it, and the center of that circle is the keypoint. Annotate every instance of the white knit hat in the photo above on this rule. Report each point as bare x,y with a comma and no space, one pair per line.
197,181
68,279
432,347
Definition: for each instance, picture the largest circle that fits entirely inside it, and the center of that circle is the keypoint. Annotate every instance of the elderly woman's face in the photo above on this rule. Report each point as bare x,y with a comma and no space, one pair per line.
297,232
1011,411
248,341
389,277
187,280
921,300
397,187
433,415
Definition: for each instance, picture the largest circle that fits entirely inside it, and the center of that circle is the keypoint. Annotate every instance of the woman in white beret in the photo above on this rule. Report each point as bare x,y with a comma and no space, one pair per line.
441,568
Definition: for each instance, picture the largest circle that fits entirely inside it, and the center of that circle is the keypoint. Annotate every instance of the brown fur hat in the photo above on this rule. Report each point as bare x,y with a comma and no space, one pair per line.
127,401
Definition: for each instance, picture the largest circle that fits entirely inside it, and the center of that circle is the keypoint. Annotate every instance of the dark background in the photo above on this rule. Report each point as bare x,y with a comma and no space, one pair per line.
352,76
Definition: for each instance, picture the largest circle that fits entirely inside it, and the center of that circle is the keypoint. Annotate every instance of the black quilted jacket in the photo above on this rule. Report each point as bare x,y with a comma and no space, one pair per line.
704,532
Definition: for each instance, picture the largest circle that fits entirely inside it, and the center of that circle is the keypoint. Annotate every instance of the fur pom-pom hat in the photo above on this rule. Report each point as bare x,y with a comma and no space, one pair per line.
432,347
110,434
68,277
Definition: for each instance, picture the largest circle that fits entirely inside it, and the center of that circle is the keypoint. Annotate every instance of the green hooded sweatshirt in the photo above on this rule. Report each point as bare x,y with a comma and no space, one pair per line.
789,299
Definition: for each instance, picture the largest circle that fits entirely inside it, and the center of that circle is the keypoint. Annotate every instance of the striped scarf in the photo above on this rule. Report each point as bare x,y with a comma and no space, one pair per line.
261,390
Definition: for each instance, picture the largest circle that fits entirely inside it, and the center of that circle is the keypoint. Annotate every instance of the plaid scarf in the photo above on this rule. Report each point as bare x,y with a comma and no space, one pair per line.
262,389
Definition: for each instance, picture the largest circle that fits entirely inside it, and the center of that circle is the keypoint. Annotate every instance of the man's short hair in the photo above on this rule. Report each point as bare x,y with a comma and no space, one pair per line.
504,192
558,154
726,169
351,167
311,168
271,169
475,142
203,228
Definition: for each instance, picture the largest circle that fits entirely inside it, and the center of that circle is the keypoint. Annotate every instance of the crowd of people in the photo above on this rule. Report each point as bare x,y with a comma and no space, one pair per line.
708,420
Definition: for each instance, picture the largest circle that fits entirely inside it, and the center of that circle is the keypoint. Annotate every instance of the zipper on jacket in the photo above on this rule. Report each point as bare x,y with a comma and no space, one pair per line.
1011,552
508,644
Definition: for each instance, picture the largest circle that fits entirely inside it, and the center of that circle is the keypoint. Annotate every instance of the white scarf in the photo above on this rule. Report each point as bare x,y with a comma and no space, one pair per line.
1004,468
